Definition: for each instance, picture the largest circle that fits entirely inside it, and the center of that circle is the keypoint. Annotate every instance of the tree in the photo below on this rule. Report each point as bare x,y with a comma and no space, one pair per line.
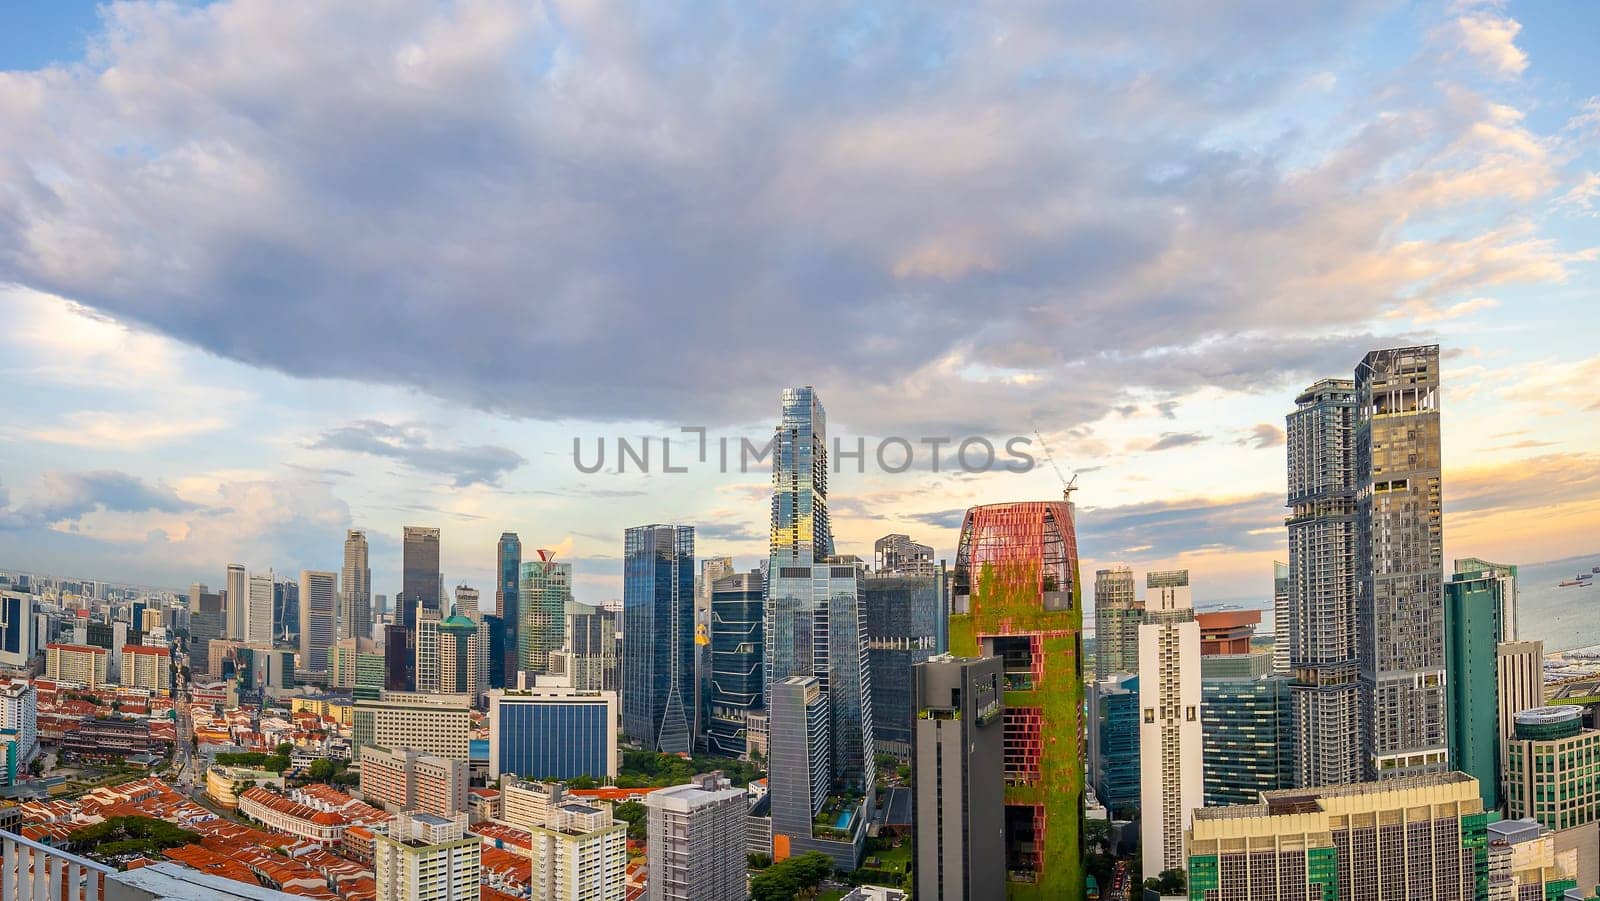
1170,882
759,861
321,770
633,813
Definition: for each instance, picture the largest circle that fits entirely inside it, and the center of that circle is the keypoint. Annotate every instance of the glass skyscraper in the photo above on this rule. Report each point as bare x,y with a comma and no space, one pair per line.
1477,618
905,626
736,642
1245,719
1114,743
508,571
658,675
419,573
544,588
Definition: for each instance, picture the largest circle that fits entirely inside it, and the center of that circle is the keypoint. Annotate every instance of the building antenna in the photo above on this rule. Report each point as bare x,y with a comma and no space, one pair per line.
1067,485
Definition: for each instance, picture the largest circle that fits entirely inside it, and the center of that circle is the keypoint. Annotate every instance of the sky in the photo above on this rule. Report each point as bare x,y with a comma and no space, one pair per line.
273,269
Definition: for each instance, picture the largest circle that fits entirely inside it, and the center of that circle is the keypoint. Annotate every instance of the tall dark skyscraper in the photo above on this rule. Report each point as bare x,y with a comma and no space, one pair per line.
1321,627
905,626
420,580
1400,540
658,637
508,565
355,588
736,642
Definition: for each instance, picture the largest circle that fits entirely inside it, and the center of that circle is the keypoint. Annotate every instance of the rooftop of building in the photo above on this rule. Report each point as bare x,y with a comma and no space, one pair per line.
1288,801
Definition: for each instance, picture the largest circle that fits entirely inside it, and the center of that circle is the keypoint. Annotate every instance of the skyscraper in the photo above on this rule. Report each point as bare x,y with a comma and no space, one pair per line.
1475,625
592,647
1400,544
462,657
1280,618
711,569
1117,615
898,555
544,588
1321,627
426,857
695,847
658,674
425,651
1245,715
958,758
507,593
736,642
237,600
317,611
1016,595
260,605
1171,777
355,588
799,774
16,629
905,626
420,580
1114,744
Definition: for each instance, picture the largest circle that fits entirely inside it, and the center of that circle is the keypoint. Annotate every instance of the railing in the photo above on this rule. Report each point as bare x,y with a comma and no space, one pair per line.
30,871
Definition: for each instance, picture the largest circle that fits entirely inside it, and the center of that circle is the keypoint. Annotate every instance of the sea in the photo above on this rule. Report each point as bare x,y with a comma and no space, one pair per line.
1562,618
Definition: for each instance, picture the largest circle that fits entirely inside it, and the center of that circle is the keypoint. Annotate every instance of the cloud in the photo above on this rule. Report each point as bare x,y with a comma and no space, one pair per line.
411,445
1170,440
1262,435
68,496
571,210
728,531
1584,197
1160,530
100,429
1490,39
1425,312
943,519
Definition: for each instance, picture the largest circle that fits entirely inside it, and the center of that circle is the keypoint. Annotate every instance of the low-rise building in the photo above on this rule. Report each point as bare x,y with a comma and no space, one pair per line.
224,783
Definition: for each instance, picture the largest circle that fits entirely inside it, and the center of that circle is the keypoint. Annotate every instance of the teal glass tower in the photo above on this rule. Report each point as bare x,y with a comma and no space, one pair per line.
1478,615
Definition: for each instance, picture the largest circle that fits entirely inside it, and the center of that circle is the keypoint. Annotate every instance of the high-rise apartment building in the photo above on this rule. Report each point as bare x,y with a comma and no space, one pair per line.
695,846
16,630
545,588
1550,768
1114,744
958,765
19,713
421,584
425,651
1420,838
658,654
148,667
553,733
85,664
736,653
1280,618
1118,613
406,779
580,854
238,601
1016,595
815,619
261,607
905,626
898,555
1171,736
318,615
1400,544
1324,660
1475,625
426,857
507,594
355,588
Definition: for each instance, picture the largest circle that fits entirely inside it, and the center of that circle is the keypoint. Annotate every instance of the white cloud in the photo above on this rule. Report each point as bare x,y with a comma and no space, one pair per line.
1490,39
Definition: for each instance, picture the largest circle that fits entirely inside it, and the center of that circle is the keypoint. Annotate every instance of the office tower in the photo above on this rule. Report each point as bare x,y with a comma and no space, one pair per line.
1280,618
553,733
463,657
1321,628
1475,625
493,632
507,592
958,764
398,662
1245,717
208,621
899,555
380,606
371,670
425,651
1400,529
545,588
84,664
147,667
285,611
260,599
467,603
19,713
1118,612
355,588
421,585
592,647
799,773
1519,671
736,654
658,675
1114,744
1420,838
695,841
580,853
16,629
711,569
1171,737
426,857
435,724
407,779
238,601
1505,578
905,626
342,663
1550,761
1016,595
318,612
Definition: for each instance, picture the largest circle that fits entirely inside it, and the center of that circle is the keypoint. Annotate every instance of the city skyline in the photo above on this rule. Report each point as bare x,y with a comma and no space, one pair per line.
1350,205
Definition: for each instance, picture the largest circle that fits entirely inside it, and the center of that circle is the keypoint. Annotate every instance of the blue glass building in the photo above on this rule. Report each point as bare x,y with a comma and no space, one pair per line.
905,619
508,565
552,734
16,628
658,650
1114,743
736,642
1246,722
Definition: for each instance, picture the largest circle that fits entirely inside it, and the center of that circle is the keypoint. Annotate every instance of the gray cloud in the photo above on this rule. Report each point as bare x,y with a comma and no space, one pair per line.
1170,440
1159,530
411,445
70,495
727,531
564,210
1262,435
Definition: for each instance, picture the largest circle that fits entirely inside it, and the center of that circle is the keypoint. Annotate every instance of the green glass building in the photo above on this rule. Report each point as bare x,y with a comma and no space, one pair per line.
1476,616
1553,768
1249,737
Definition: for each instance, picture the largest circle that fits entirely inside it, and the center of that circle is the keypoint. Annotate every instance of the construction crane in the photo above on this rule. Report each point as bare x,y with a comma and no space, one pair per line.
1067,485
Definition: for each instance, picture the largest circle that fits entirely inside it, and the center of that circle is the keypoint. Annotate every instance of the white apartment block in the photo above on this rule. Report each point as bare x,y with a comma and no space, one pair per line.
696,841
580,855
1171,779
426,857
19,712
